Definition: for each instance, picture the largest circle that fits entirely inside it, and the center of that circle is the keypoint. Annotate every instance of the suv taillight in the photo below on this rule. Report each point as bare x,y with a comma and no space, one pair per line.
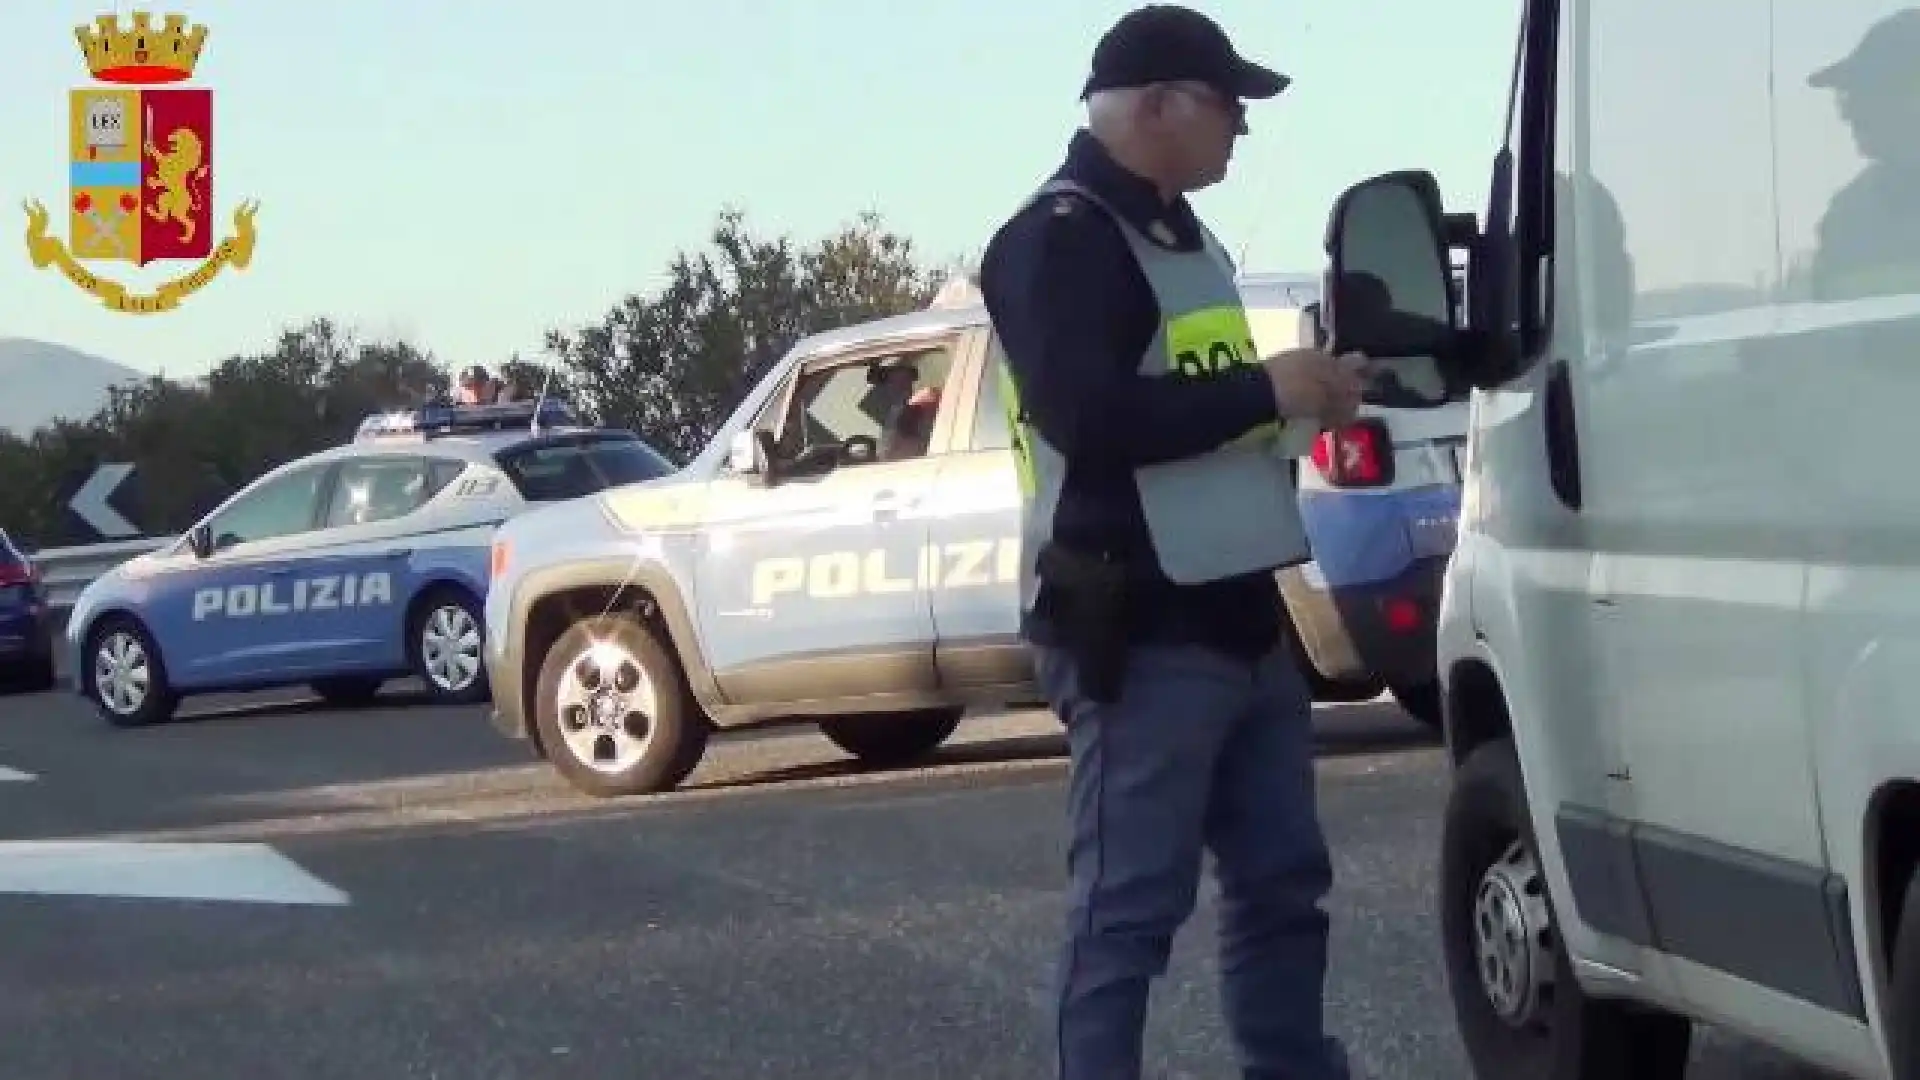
16,574
1357,455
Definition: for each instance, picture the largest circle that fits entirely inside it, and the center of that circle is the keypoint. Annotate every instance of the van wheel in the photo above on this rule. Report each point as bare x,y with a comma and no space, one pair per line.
1421,701
1903,1020
886,740
1520,1010
614,711
123,673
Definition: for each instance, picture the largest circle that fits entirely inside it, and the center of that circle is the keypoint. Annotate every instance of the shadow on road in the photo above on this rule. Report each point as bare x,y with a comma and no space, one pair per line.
255,760
1369,727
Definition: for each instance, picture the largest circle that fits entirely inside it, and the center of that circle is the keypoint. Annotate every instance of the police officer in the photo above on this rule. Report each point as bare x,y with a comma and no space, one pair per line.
1157,504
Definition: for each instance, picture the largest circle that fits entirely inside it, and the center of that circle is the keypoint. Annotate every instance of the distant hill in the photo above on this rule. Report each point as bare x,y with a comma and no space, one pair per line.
40,381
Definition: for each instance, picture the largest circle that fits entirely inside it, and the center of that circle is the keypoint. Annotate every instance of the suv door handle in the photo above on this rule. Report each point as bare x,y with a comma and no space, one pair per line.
399,553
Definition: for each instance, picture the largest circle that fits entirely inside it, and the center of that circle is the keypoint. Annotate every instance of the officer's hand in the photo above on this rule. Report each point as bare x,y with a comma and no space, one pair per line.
1346,392
1310,384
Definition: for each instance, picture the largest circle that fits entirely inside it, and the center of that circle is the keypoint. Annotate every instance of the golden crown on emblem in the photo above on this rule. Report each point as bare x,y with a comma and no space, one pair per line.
142,53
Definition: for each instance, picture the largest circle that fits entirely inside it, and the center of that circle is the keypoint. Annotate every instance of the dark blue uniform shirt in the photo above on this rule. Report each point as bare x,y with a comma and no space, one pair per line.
1075,314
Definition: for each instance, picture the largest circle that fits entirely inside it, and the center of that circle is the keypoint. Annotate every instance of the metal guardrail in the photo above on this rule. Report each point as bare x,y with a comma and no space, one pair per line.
67,570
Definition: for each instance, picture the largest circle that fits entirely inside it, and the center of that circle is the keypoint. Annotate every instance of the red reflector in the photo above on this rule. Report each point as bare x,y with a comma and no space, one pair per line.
1403,616
1353,456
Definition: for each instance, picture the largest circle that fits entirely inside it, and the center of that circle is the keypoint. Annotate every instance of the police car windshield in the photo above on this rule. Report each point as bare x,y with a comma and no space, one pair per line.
570,467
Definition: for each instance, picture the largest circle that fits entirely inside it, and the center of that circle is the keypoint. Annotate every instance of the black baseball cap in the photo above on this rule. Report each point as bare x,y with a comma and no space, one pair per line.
1885,57
1169,43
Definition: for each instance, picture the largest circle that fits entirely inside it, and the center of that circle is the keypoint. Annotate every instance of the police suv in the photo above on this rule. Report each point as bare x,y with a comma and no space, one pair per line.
846,551
1379,501
343,569
1680,634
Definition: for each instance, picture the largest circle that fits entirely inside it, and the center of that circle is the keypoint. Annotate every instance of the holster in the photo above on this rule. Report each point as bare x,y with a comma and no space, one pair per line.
1093,595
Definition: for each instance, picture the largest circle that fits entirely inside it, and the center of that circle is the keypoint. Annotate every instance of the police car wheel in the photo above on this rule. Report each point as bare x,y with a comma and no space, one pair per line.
41,677
125,676
1519,1007
614,712
446,642
884,740
33,677
347,689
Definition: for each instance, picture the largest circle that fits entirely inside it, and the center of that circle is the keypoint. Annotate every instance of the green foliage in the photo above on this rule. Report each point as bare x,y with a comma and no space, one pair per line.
669,366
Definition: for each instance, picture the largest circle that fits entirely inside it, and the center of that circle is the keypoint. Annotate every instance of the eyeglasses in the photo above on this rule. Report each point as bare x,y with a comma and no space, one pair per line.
1234,108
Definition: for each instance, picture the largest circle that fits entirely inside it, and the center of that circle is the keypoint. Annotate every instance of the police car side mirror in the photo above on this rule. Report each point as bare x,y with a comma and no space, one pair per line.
201,541
1389,289
743,453
752,455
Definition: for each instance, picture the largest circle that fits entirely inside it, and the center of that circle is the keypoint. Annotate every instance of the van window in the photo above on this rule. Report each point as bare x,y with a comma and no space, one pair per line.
570,467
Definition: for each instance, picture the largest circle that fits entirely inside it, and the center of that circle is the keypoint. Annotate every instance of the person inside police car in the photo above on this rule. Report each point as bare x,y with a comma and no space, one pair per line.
1157,505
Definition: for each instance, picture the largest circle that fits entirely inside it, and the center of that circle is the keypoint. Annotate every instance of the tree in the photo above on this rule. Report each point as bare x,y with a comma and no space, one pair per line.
671,366
193,443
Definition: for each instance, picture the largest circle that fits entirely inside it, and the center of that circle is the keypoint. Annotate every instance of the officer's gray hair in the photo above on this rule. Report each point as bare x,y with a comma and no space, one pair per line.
1110,111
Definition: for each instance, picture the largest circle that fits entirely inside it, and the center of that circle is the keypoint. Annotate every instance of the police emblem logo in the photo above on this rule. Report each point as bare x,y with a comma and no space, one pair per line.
140,167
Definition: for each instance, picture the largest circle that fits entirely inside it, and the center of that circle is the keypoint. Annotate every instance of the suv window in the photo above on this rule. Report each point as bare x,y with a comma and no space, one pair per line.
876,408
280,507
373,489
571,467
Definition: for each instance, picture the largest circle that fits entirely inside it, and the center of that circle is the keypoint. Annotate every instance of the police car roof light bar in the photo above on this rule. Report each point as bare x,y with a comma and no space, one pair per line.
433,420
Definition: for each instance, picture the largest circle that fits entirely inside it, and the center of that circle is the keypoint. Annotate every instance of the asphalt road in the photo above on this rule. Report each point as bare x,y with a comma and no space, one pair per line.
470,919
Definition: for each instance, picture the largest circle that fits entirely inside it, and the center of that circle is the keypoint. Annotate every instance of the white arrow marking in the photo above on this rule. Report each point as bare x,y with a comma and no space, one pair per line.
14,776
90,502
236,873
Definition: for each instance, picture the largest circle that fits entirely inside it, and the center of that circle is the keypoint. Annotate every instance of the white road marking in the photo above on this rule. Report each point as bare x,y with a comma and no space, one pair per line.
235,873
14,776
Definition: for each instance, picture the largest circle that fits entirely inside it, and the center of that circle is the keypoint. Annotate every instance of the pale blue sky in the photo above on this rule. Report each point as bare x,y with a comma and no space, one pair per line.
470,174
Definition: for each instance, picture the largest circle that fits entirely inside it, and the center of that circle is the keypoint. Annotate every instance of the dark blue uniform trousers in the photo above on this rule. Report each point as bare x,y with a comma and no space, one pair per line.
1202,752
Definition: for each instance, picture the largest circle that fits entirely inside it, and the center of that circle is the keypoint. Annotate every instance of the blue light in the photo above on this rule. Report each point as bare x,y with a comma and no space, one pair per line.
428,421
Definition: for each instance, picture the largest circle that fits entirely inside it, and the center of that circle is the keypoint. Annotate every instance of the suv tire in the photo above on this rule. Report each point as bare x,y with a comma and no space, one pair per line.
1421,701
1554,1030
644,682
1903,1013
888,740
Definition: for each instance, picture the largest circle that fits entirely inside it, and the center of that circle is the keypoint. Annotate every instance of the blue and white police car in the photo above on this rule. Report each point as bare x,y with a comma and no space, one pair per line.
343,569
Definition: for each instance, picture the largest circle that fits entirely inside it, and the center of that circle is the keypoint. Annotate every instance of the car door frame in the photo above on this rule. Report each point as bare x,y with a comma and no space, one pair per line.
369,641
266,657
974,485
872,671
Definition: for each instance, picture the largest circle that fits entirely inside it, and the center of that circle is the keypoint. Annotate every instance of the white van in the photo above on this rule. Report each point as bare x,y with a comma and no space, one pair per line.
1687,581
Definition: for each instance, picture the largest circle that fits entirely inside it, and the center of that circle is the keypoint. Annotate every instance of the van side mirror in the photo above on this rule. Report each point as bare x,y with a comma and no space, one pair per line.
1390,287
